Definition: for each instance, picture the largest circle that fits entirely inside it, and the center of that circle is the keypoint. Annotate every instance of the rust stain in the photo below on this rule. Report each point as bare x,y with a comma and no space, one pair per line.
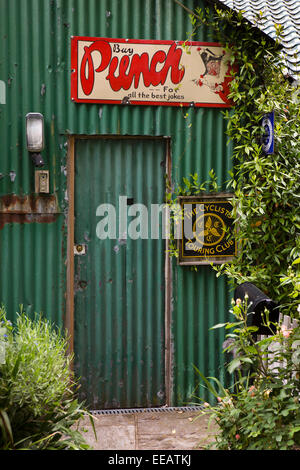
26,219
27,209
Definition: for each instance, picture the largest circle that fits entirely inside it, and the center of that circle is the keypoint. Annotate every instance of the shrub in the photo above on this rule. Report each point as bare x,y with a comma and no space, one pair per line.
261,411
38,408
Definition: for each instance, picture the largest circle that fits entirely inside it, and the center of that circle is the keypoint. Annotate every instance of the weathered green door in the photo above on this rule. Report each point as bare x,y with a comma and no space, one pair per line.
119,283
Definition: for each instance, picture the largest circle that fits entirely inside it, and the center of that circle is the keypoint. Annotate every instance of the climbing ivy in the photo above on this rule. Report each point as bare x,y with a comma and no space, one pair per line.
266,187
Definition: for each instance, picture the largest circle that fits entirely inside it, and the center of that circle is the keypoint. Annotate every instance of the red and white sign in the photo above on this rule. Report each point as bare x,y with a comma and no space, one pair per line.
129,71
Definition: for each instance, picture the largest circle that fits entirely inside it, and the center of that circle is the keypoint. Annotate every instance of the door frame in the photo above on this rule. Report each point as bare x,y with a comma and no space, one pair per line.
69,317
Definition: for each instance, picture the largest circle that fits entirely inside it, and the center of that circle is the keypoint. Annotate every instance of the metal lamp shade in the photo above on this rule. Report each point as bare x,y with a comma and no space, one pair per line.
257,302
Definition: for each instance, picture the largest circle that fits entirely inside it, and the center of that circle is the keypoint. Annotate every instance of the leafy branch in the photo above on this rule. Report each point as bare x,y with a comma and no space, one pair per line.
266,187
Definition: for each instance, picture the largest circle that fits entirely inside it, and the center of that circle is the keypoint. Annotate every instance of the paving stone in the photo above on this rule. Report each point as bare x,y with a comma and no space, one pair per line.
113,432
177,430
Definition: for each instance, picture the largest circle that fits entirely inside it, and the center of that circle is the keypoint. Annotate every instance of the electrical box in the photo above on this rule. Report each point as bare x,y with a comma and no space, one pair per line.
42,181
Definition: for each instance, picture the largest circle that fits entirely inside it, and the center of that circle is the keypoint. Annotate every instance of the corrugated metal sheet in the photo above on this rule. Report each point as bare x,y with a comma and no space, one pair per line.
32,241
32,269
35,67
276,12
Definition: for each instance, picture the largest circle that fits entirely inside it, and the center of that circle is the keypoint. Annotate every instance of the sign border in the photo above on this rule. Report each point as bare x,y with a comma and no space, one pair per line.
216,259
74,71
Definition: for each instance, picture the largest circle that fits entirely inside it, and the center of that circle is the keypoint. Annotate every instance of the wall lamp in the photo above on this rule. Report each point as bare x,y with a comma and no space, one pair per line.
35,137
257,302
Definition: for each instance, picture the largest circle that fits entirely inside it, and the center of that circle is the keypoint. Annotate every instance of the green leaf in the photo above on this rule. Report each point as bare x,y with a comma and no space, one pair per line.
221,388
234,365
246,359
208,384
252,328
232,325
16,366
219,325
294,430
6,427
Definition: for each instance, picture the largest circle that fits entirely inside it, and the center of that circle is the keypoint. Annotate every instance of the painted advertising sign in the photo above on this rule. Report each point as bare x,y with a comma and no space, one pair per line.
127,71
210,238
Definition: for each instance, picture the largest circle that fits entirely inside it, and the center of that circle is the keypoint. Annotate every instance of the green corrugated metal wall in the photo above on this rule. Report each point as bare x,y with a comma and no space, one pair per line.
35,66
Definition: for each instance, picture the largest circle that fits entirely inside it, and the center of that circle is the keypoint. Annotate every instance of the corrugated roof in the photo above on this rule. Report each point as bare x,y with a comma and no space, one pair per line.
283,12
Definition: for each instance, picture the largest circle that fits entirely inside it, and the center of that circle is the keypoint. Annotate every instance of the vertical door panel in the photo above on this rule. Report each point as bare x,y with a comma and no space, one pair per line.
119,283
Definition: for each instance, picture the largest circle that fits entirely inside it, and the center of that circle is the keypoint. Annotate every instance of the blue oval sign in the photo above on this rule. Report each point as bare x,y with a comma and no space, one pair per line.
268,136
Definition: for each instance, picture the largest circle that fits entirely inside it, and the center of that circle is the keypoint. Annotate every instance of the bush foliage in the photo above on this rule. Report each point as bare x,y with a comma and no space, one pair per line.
261,411
38,408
